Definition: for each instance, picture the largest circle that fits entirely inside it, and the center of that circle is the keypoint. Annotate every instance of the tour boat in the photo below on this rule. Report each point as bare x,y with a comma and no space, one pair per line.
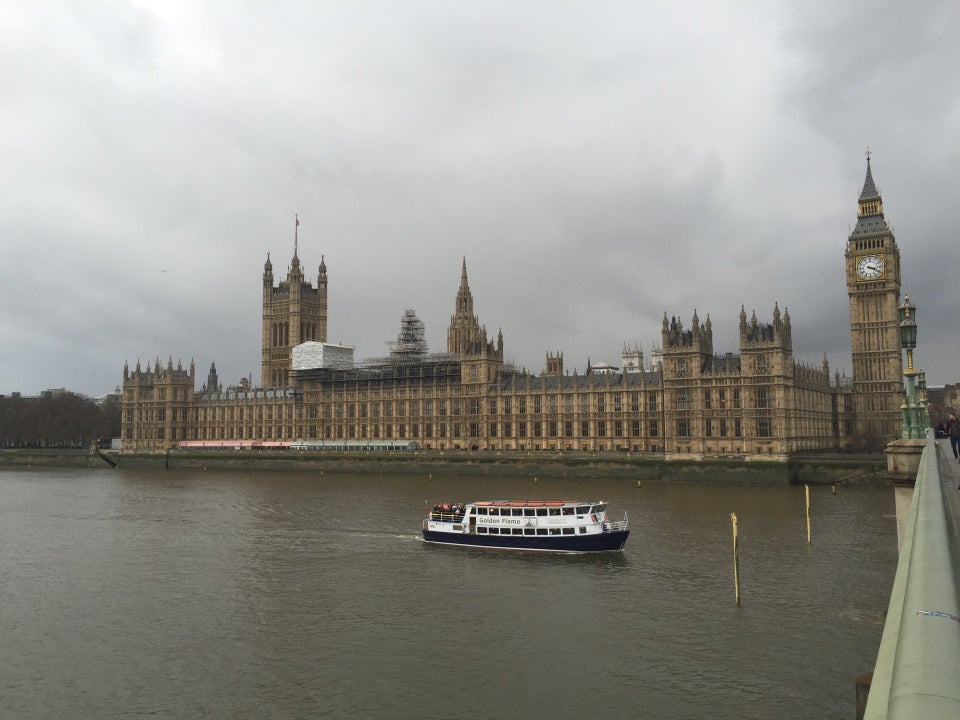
570,526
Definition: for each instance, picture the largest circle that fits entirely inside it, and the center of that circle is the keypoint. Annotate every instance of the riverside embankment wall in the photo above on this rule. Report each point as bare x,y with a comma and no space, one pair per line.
814,470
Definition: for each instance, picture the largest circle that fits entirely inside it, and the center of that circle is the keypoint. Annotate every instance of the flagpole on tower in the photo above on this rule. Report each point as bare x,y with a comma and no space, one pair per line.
296,232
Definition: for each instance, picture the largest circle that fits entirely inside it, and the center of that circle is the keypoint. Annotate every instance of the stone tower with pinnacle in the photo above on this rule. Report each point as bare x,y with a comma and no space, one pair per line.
294,311
873,285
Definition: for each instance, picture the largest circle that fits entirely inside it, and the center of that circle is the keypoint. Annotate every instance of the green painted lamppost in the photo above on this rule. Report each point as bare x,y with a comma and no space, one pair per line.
908,341
922,403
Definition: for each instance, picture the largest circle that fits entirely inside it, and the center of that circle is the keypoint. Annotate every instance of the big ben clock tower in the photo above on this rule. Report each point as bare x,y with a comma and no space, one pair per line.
873,284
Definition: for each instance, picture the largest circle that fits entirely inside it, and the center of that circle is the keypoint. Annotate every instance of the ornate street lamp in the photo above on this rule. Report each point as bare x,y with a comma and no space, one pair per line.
908,341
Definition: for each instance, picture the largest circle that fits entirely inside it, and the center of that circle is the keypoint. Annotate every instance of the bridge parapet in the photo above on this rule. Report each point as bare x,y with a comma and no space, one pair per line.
917,674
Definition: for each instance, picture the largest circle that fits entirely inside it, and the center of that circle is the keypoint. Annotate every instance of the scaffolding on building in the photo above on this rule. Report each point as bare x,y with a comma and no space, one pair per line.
409,358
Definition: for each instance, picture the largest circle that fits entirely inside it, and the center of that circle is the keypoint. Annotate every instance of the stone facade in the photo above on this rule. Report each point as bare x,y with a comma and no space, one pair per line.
691,403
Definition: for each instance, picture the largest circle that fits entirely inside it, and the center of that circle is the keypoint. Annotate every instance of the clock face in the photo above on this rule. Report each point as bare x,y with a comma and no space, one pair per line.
870,267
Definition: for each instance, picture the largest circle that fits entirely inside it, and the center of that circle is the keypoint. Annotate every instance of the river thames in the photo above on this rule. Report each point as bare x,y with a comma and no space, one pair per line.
187,594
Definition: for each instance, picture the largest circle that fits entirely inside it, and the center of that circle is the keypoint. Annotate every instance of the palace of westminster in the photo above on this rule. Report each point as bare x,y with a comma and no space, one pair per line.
691,403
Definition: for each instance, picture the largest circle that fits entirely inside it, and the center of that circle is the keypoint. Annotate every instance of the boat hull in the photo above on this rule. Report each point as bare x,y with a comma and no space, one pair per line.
596,542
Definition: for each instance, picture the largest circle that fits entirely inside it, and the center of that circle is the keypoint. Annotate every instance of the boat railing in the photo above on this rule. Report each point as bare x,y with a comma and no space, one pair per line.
615,525
446,517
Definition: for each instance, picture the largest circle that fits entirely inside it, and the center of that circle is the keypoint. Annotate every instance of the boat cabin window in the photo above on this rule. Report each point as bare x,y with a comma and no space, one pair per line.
554,511
541,512
582,530
541,531
529,512
567,531
481,511
568,511
494,511
554,531
481,530
518,531
583,510
518,511
528,531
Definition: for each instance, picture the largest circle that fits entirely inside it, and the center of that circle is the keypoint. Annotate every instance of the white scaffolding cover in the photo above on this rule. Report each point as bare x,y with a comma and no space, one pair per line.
311,355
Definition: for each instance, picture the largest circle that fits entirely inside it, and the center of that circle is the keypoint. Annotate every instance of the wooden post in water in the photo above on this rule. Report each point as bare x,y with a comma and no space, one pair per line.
736,557
807,491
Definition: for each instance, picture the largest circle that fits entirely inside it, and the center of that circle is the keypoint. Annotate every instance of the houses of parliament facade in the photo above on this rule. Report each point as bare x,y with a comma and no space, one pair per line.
689,403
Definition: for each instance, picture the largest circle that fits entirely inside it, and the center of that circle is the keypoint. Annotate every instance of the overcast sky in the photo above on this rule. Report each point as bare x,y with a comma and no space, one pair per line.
597,163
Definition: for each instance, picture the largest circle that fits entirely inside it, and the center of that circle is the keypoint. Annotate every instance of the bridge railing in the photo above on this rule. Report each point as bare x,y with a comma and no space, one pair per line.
917,674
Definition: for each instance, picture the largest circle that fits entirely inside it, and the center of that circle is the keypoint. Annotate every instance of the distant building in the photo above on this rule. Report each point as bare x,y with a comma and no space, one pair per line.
693,402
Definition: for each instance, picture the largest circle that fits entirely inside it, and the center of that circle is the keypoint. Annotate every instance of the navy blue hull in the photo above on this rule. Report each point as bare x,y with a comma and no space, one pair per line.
599,542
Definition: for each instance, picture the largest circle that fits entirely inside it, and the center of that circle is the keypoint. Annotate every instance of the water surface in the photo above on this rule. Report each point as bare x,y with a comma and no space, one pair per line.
290,595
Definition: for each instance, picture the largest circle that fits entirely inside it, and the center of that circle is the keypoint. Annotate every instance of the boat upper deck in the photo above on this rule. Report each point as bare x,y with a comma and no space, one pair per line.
528,503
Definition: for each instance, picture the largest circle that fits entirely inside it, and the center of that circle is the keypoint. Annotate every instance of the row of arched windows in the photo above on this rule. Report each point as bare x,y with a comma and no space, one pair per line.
280,333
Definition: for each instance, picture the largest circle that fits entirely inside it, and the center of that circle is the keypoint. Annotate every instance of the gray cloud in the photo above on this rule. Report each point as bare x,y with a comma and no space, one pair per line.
597,165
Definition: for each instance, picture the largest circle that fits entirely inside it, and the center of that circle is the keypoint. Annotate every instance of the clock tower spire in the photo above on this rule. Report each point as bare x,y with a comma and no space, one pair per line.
873,285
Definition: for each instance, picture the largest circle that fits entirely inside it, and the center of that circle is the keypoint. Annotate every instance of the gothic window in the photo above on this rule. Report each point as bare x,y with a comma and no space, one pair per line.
635,402
683,401
763,427
683,427
763,398
654,428
652,402
601,403
681,368
617,402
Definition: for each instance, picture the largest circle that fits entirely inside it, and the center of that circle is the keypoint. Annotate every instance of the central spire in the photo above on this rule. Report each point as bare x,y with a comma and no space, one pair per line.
464,296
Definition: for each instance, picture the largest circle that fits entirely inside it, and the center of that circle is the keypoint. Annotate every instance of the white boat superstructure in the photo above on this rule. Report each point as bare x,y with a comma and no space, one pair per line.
548,525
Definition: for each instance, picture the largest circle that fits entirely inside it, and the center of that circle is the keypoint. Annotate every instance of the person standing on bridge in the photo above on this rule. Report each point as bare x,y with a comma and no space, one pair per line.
953,427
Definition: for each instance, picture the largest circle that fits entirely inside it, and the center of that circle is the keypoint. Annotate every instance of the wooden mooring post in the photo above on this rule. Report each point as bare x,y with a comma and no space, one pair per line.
736,558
